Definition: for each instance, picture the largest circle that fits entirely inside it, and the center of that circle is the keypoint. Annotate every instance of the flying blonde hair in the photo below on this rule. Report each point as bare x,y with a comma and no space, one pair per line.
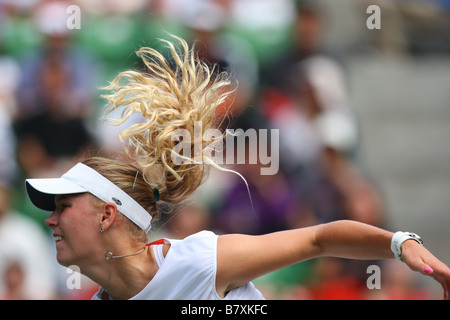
170,94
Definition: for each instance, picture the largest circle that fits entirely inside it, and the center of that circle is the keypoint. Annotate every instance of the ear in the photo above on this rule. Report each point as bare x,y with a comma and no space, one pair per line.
108,215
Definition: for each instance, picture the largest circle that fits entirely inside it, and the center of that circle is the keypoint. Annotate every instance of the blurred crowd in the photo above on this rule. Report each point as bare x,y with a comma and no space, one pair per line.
50,112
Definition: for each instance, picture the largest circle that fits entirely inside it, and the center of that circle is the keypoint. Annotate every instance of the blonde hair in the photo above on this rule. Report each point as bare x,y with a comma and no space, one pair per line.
170,95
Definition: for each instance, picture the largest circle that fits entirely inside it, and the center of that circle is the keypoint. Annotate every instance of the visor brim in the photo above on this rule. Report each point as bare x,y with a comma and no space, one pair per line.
42,192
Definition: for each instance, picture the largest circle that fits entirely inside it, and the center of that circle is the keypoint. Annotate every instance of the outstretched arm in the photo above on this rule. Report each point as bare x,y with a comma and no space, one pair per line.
242,258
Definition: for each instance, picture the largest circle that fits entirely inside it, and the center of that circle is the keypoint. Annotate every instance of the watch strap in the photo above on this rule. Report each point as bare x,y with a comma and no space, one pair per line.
398,239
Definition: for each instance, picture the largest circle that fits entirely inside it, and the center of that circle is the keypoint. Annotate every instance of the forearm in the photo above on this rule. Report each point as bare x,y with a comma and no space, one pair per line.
242,258
354,240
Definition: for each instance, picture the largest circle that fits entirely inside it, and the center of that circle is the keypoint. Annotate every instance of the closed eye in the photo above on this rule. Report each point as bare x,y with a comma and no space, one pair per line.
62,203
62,206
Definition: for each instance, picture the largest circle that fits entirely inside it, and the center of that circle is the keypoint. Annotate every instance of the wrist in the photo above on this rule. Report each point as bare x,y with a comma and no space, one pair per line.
399,238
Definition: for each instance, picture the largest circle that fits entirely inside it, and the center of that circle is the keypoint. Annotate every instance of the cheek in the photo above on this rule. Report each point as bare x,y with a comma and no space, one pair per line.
77,223
79,238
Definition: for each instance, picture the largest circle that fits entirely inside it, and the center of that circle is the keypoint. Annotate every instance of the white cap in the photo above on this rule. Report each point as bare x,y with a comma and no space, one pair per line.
337,128
81,179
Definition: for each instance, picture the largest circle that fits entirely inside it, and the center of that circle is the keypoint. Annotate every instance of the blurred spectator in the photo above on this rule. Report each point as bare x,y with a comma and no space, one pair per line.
272,197
8,166
10,72
206,22
269,204
9,80
265,23
27,267
54,95
305,96
58,74
17,30
13,279
357,196
307,29
299,86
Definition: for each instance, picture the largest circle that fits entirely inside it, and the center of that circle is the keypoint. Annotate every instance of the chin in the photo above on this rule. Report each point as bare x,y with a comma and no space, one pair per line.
64,259
63,262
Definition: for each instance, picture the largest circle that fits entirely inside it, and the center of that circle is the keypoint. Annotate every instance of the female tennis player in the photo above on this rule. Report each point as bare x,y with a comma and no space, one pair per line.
103,208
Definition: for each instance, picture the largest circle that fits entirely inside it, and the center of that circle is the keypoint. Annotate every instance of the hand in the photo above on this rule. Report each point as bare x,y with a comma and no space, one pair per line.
418,258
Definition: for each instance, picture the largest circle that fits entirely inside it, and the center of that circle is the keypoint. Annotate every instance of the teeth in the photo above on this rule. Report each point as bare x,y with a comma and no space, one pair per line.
58,238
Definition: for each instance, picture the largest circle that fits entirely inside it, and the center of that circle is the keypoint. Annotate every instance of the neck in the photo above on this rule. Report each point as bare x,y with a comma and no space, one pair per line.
124,274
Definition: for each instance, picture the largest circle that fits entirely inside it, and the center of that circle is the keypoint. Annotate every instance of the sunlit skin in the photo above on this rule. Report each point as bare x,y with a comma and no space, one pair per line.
77,221
74,221
240,258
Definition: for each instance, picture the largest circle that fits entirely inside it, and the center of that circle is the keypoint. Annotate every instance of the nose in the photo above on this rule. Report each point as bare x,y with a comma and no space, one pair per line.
52,220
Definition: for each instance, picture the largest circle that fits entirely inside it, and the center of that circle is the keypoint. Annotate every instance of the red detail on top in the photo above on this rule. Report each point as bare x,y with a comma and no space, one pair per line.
160,241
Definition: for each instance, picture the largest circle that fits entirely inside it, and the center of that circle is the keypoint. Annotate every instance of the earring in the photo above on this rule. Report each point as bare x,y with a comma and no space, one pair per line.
102,229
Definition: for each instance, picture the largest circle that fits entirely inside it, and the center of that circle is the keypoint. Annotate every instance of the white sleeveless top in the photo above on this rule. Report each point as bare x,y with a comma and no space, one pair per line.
188,272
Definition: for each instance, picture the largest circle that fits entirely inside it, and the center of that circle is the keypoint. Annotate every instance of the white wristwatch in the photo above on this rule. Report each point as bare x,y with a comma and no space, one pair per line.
400,237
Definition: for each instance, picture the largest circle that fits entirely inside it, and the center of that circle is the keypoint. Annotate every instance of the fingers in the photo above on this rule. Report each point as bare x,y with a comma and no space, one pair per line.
441,274
427,270
419,259
419,265
446,286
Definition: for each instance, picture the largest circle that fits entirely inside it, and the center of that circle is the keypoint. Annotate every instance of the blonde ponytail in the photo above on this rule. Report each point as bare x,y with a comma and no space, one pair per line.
170,95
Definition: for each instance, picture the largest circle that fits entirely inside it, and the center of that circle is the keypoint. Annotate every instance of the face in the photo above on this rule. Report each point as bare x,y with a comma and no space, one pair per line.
75,224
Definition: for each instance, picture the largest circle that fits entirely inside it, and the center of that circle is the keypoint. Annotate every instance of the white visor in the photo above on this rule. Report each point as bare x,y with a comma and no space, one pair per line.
81,179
